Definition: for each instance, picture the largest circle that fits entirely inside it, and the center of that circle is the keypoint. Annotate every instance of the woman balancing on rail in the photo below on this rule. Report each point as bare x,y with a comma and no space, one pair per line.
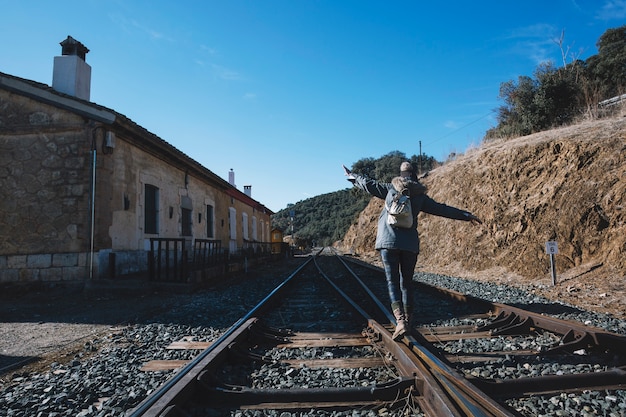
397,239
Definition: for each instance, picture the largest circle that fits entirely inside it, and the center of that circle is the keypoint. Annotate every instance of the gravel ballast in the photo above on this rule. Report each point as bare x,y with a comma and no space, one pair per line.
101,377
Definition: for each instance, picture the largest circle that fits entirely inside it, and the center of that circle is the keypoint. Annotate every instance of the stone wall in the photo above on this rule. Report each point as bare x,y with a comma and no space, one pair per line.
44,181
47,160
50,267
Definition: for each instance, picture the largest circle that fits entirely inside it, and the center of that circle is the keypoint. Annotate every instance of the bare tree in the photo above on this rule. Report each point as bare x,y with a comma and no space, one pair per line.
566,51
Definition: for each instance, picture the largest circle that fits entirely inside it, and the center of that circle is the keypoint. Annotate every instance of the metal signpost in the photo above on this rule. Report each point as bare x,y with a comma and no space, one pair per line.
292,215
552,249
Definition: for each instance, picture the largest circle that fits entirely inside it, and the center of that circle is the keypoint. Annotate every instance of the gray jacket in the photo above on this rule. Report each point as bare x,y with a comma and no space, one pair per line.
389,237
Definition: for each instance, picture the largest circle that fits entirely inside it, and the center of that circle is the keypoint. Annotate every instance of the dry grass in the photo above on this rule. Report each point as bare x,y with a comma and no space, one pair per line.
566,185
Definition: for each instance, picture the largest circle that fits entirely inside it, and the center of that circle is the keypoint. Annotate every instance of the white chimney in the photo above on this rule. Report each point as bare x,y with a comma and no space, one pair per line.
247,189
231,177
71,74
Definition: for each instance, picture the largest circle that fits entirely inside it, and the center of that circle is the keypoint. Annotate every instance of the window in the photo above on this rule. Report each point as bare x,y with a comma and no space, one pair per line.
151,209
232,222
209,221
186,222
254,230
244,224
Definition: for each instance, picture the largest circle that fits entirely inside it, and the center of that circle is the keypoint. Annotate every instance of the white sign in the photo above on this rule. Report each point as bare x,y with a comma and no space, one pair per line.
552,248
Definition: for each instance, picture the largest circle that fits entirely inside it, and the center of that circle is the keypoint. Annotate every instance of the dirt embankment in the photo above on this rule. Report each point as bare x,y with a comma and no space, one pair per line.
566,185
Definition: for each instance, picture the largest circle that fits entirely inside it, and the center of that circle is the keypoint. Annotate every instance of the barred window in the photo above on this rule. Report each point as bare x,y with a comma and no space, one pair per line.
151,209
186,222
209,221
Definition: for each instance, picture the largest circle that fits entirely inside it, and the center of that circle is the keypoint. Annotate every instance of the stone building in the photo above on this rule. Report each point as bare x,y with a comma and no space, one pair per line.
84,189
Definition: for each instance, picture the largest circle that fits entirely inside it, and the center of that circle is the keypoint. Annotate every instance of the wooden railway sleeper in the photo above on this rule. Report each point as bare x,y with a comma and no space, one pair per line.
218,392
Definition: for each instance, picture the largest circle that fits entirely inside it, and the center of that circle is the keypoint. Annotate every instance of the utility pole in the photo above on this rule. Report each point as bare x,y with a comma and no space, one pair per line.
292,215
419,159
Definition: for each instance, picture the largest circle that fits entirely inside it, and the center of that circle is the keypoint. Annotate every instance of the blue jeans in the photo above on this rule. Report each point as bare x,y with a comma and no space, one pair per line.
399,267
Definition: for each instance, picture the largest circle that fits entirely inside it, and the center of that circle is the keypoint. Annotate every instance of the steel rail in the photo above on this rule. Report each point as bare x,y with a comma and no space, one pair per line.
176,385
475,404
511,320
424,374
613,379
195,380
465,395
468,396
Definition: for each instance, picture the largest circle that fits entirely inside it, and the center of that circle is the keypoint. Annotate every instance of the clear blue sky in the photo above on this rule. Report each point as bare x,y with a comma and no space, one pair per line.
285,91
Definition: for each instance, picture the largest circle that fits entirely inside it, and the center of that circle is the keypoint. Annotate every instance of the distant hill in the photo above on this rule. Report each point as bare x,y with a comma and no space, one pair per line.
566,185
323,219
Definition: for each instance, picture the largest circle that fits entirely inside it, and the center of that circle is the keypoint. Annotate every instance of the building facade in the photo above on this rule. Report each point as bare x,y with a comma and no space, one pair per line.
84,189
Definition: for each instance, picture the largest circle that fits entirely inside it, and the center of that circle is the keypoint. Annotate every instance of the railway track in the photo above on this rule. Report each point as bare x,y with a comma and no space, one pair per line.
322,341
521,358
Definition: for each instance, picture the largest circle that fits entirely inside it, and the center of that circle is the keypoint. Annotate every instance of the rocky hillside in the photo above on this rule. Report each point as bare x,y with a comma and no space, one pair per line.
566,185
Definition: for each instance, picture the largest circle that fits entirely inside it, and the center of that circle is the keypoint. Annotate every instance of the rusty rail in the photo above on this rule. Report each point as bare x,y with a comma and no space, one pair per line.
423,373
